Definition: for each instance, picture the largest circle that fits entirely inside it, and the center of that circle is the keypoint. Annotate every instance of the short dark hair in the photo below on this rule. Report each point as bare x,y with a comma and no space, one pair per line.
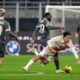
46,14
66,33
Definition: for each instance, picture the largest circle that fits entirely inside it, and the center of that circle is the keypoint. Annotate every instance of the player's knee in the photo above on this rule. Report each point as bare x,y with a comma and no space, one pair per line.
44,60
36,58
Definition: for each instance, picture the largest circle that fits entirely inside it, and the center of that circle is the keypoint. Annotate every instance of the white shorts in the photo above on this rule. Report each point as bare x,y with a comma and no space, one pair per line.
46,52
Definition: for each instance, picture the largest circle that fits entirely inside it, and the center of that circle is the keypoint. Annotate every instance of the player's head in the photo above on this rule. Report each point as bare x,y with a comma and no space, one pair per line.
48,16
66,36
2,12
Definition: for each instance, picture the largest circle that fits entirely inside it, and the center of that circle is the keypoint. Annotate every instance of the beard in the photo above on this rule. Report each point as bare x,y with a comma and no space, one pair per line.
49,19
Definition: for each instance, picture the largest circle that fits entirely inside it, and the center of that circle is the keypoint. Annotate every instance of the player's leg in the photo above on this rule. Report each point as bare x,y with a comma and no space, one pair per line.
39,61
79,44
56,61
1,60
2,53
36,58
43,42
35,51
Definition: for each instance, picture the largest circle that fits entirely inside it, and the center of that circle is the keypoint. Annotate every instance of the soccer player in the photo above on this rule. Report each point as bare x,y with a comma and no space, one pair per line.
43,28
53,46
5,33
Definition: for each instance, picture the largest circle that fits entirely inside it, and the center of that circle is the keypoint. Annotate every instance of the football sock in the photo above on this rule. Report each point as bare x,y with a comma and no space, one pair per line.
29,64
56,64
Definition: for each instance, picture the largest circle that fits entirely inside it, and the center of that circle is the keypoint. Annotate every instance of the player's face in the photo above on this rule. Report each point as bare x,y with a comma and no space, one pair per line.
49,18
67,38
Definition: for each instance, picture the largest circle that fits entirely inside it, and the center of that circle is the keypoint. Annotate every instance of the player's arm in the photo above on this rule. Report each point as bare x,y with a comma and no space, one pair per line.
76,35
34,36
11,34
54,27
35,33
77,32
8,31
74,52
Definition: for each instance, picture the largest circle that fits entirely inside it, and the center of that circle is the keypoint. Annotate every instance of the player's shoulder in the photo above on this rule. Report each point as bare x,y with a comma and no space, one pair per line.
58,37
44,20
5,21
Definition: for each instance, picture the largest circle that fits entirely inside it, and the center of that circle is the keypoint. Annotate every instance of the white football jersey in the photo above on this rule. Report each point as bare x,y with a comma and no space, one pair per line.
58,43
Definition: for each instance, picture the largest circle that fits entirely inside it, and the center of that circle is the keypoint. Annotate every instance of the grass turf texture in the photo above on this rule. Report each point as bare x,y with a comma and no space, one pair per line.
12,69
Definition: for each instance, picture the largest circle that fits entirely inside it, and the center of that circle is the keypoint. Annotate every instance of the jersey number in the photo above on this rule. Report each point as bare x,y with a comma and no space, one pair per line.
41,28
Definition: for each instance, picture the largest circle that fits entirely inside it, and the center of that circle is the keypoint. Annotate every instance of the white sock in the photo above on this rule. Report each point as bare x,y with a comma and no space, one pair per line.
29,64
36,52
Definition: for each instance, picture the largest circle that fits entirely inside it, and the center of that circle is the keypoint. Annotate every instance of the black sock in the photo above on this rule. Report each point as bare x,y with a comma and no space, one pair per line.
56,61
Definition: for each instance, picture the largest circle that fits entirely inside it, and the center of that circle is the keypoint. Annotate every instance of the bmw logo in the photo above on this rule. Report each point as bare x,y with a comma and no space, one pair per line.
13,48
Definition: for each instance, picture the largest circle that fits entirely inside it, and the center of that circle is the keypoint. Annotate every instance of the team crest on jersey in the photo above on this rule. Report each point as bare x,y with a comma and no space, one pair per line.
13,48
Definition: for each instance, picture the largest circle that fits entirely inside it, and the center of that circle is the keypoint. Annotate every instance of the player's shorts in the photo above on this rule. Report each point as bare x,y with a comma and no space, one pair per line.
43,42
44,60
2,50
46,52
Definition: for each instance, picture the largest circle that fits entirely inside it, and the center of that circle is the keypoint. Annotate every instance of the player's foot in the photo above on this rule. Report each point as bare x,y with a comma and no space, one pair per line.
25,69
59,71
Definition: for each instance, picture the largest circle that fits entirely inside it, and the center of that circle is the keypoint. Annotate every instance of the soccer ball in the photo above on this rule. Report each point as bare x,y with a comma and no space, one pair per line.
68,69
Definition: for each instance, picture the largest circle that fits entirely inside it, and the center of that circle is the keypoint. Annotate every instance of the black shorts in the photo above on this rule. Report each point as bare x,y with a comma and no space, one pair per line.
2,50
43,42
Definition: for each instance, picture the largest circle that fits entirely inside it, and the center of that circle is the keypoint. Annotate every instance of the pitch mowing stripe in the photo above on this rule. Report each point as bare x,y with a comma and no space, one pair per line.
14,74
32,74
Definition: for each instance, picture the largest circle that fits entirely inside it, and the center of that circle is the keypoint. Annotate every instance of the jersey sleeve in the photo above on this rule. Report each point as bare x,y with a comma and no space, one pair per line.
73,49
53,40
35,33
7,26
8,31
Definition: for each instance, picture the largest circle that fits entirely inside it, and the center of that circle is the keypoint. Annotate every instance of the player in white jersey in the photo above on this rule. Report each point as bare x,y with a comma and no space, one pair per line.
54,45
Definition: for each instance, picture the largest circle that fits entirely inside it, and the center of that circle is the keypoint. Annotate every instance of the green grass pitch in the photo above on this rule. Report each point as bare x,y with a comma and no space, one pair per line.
11,69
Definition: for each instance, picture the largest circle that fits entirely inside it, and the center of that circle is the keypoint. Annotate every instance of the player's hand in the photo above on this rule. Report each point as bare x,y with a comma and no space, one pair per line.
18,38
31,41
78,61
